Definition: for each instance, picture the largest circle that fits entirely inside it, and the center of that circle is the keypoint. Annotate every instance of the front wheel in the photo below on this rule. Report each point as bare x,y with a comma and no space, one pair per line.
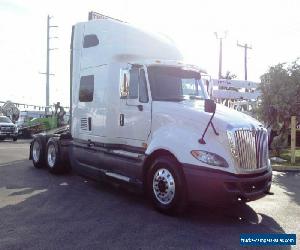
166,186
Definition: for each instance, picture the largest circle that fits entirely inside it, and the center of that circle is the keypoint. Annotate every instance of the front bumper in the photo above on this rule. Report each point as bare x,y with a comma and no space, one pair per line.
8,134
219,187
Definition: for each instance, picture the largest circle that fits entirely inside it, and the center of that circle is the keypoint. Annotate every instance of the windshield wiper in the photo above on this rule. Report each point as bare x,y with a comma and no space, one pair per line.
172,99
196,97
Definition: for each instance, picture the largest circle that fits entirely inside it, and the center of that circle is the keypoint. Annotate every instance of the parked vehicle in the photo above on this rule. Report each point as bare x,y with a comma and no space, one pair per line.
7,129
141,116
26,116
33,122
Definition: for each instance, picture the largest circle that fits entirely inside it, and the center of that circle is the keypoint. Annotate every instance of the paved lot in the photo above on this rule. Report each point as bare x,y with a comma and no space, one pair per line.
13,151
42,211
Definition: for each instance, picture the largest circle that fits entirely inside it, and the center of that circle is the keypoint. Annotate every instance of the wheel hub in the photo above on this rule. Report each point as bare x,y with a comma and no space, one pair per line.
36,151
164,186
51,155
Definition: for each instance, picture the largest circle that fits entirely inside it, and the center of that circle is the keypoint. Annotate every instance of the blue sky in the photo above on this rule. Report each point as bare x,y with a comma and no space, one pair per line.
271,27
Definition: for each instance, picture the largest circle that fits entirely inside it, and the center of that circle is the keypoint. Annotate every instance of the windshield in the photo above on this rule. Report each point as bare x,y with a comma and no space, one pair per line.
4,119
175,84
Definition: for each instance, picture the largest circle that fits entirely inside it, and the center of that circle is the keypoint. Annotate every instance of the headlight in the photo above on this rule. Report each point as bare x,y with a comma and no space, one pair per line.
209,158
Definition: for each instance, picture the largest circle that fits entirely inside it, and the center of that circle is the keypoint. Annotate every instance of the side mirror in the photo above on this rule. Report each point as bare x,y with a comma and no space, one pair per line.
209,106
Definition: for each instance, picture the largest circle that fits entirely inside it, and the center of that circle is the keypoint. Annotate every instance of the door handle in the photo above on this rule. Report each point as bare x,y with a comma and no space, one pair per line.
121,119
140,107
90,123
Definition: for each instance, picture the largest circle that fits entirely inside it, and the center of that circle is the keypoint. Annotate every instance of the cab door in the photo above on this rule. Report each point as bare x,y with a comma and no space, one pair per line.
135,108
134,123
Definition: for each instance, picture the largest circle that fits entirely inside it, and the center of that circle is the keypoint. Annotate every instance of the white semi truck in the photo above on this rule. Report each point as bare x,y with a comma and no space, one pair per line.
142,116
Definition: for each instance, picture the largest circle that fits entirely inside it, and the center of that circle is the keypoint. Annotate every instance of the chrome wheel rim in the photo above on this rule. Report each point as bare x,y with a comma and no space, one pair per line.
36,151
51,155
164,186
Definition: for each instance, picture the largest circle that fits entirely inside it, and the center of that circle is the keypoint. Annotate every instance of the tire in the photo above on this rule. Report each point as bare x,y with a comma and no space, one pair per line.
37,153
54,161
15,138
166,186
2,138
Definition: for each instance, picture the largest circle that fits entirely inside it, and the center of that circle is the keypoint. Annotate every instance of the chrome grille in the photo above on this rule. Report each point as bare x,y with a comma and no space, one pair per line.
7,128
249,148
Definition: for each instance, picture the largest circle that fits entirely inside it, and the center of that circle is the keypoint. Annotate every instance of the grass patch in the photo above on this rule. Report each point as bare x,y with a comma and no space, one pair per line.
286,155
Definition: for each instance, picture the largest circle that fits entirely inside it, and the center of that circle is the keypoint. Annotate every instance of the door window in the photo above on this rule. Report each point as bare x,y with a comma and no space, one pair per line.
134,85
143,92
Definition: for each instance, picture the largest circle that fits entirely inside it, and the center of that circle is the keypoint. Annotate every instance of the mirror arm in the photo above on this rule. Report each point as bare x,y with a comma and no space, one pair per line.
214,128
201,140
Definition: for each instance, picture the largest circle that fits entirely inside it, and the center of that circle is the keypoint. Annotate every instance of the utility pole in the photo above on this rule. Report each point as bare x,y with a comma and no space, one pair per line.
48,60
245,46
220,37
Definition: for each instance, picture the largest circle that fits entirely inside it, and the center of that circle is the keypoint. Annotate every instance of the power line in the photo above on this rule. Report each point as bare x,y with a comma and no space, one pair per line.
245,46
34,106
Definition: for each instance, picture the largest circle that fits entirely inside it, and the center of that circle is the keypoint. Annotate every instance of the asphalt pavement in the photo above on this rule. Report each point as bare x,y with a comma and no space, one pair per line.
43,211
13,151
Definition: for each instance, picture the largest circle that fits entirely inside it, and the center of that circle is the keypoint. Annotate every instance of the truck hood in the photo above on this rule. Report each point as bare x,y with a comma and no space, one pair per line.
190,110
6,124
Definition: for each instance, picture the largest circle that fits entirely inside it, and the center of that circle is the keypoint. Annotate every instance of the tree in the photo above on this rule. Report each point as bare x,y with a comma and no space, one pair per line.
228,75
280,99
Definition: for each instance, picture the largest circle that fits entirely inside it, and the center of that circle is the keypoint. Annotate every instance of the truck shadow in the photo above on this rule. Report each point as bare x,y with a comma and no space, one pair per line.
19,141
283,180
67,211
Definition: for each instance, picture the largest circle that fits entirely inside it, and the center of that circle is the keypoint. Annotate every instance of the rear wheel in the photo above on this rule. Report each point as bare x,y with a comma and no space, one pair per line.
15,138
53,158
166,186
37,153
